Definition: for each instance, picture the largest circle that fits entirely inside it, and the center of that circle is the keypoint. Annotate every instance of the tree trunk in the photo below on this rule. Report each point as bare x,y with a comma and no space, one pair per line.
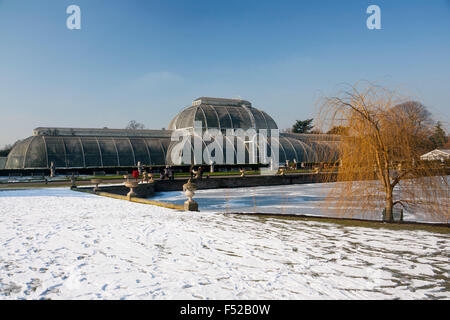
389,214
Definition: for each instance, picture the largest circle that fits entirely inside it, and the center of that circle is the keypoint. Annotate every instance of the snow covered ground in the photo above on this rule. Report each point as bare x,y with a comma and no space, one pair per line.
57,243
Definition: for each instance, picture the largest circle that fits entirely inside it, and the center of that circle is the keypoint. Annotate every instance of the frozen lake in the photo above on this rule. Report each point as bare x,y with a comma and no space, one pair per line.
301,199
61,244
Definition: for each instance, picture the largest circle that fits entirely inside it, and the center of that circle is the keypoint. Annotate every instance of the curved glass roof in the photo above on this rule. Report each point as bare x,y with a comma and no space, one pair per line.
306,150
80,152
222,114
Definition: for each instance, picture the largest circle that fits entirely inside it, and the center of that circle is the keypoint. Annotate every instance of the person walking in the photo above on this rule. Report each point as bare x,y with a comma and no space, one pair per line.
170,173
191,171
166,172
136,174
140,167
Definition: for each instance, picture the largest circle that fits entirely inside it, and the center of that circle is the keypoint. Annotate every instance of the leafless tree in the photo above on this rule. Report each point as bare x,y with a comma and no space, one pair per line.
134,125
381,152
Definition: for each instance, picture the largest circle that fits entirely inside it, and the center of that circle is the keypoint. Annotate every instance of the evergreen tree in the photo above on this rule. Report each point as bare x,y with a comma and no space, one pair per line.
439,137
304,126
5,150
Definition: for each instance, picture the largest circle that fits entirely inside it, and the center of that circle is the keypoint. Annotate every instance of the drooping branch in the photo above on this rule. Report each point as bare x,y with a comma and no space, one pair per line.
382,133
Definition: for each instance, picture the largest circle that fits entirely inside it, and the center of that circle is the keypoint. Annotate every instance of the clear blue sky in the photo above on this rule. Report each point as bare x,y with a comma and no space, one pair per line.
145,60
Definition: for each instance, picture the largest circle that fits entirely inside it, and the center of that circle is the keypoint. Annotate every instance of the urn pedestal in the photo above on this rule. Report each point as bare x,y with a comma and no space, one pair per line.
132,185
189,189
73,181
96,182
190,205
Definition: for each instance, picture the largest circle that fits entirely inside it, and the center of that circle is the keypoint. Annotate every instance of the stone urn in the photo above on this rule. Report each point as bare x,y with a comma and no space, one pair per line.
73,181
189,189
132,185
96,182
52,169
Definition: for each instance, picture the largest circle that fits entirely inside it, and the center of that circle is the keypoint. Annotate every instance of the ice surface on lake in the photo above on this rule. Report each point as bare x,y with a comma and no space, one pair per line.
299,199
57,243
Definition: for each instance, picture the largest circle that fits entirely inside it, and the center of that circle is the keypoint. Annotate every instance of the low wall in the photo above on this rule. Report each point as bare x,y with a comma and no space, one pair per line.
143,201
144,190
241,182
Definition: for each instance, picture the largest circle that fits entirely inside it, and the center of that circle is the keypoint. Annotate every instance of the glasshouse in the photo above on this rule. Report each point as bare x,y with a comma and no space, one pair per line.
89,148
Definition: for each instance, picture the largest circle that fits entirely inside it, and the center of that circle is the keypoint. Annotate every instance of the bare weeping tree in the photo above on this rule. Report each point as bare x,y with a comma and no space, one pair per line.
379,164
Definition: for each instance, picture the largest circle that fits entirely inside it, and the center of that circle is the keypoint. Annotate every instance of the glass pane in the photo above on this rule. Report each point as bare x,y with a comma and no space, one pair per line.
156,151
300,149
224,118
236,117
125,152
36,156
200,116
74,153
140,150
211,117
270,122
260,121
246,120
289,151
91,152
17,155
165,145
109,154
186,118
56,151
173,122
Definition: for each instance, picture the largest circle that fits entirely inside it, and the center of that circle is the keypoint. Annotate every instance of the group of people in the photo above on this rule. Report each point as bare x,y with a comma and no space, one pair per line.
167,172
147,174
198,174
292,165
